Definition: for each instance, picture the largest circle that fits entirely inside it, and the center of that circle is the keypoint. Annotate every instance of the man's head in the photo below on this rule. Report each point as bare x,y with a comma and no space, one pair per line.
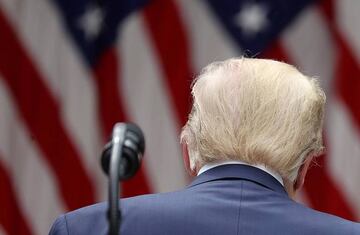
257,111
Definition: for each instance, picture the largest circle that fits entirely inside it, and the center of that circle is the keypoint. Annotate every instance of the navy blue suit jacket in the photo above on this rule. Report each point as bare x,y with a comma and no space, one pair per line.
229,199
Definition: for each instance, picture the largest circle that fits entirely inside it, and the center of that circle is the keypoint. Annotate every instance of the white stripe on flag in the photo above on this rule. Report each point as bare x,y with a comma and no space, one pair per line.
348,18
313,51
68,77
2,232
208,40
33,181
147,103
344,145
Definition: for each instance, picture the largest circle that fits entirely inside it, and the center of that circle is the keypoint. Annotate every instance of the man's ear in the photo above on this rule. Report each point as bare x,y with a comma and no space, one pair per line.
186,159
302,172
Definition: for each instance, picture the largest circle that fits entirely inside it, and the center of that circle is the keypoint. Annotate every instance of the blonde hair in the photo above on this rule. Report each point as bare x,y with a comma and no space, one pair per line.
255,110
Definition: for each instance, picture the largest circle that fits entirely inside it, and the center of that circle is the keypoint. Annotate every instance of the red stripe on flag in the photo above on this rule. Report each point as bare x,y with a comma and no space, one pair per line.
276,52
323,193
11,218
111,110
347,72
347,80
41,114
168,35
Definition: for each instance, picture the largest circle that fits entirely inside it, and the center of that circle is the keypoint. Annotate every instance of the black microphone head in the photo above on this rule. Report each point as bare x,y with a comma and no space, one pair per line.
134,133
105,157
133,147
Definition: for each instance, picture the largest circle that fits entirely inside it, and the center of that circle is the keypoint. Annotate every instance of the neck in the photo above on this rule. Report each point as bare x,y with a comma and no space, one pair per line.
289,188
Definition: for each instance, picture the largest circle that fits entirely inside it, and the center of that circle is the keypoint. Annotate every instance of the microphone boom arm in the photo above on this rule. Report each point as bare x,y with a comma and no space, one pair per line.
116,169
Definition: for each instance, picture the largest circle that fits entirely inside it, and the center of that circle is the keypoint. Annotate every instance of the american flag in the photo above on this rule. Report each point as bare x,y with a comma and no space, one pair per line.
71,69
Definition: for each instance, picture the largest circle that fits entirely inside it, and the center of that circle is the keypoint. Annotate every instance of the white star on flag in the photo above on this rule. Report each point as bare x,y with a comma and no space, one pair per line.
91,21
252,19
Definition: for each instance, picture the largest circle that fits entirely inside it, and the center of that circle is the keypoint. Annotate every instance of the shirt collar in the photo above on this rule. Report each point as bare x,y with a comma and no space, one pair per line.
262,167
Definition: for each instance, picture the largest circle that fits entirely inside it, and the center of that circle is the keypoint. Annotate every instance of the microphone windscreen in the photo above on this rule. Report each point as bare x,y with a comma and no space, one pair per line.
134,133
133,147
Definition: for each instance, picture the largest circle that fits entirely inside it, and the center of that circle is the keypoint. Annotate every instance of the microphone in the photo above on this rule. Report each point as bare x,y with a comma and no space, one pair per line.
133,146
120,160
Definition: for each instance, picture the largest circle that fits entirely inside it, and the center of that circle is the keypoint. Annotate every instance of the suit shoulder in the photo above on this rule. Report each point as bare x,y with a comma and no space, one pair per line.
161,205
91,210
324,223
92,219
150,202
59,227
155,200
86,220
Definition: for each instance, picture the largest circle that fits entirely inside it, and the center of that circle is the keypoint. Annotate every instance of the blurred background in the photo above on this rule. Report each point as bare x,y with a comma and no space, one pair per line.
71,69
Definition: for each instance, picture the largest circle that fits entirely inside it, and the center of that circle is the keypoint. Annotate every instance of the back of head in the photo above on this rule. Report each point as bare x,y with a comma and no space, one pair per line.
257,111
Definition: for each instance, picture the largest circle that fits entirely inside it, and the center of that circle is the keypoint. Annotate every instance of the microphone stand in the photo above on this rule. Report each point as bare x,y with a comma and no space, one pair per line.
120,160
117,168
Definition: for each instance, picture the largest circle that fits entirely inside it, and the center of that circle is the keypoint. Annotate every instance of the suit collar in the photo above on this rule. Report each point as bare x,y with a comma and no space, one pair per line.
260,166
244,172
